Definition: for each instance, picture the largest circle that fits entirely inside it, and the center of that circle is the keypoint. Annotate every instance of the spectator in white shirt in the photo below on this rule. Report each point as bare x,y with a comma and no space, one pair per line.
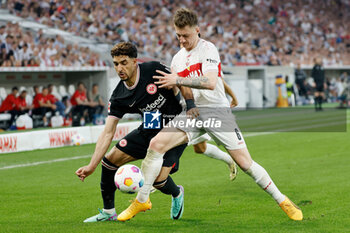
50,50
3,34
25,53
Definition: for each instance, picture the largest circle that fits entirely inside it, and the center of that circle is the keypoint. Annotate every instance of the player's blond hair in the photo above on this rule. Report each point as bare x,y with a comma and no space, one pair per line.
185,17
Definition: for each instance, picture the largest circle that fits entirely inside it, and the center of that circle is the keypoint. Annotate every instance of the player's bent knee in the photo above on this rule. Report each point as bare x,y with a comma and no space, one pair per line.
157,145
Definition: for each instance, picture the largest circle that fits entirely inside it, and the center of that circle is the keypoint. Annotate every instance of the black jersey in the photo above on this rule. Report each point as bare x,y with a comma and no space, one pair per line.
318,74
144,96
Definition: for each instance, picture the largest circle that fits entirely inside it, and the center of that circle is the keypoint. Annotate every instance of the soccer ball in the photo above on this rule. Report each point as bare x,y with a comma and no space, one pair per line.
77,140
129,179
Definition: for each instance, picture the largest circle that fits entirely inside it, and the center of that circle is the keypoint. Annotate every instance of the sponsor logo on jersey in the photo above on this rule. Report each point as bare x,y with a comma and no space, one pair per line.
157,104
151,89
123,142
212,61
109,107
152,120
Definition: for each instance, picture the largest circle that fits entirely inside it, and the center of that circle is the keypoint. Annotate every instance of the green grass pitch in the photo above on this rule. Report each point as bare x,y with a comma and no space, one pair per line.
311,168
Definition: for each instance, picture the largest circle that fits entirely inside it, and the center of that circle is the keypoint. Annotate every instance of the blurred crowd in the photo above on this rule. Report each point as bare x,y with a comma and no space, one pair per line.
271,32
47,107
20,48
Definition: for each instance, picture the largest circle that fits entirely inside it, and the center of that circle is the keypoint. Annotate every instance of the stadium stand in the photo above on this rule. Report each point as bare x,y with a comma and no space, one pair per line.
20,48
246,32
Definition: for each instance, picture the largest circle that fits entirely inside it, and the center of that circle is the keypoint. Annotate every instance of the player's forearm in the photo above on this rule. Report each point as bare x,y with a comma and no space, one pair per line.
103,142
80,102
230,93
201,82
228,90
45,105
188,96
186,92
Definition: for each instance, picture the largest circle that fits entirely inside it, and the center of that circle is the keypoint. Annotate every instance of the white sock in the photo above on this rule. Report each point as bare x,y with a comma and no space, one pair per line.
150,168
262,178
109,211
215,153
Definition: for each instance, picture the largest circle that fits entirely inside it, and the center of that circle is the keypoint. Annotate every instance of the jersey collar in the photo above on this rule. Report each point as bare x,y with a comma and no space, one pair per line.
136,81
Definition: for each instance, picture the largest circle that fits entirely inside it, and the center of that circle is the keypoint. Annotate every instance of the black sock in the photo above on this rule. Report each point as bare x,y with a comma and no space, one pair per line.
107,183
167,187
316,102
320,100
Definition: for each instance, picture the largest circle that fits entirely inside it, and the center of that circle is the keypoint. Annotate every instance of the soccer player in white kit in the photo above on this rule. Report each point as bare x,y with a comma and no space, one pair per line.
197,65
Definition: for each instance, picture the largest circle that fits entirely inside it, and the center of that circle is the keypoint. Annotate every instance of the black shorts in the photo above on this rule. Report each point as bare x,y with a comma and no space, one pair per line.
136,144
319,87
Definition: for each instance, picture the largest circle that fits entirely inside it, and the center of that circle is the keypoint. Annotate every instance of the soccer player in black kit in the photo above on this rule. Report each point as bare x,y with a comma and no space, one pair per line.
317,74
136,93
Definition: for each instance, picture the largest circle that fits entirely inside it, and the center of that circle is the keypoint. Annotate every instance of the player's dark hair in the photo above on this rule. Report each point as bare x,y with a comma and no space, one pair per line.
124,48
185,17
14,88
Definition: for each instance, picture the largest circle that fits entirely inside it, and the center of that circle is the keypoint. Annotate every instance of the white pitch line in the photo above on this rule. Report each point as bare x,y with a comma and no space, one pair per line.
44,162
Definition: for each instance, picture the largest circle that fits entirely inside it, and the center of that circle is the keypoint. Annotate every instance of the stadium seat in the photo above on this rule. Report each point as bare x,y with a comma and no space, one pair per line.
30,91
5,120
29,99
22,88
3,93
62,90
71,89
55,93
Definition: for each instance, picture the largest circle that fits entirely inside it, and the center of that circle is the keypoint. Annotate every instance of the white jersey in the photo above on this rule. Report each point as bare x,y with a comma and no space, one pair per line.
203,58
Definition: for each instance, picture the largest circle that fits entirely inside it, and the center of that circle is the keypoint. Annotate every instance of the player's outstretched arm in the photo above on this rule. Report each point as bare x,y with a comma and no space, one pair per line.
228,90
207,81
103,142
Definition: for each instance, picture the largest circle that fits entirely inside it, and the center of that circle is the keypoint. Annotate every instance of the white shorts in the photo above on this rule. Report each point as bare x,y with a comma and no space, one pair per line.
228,135
204,137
